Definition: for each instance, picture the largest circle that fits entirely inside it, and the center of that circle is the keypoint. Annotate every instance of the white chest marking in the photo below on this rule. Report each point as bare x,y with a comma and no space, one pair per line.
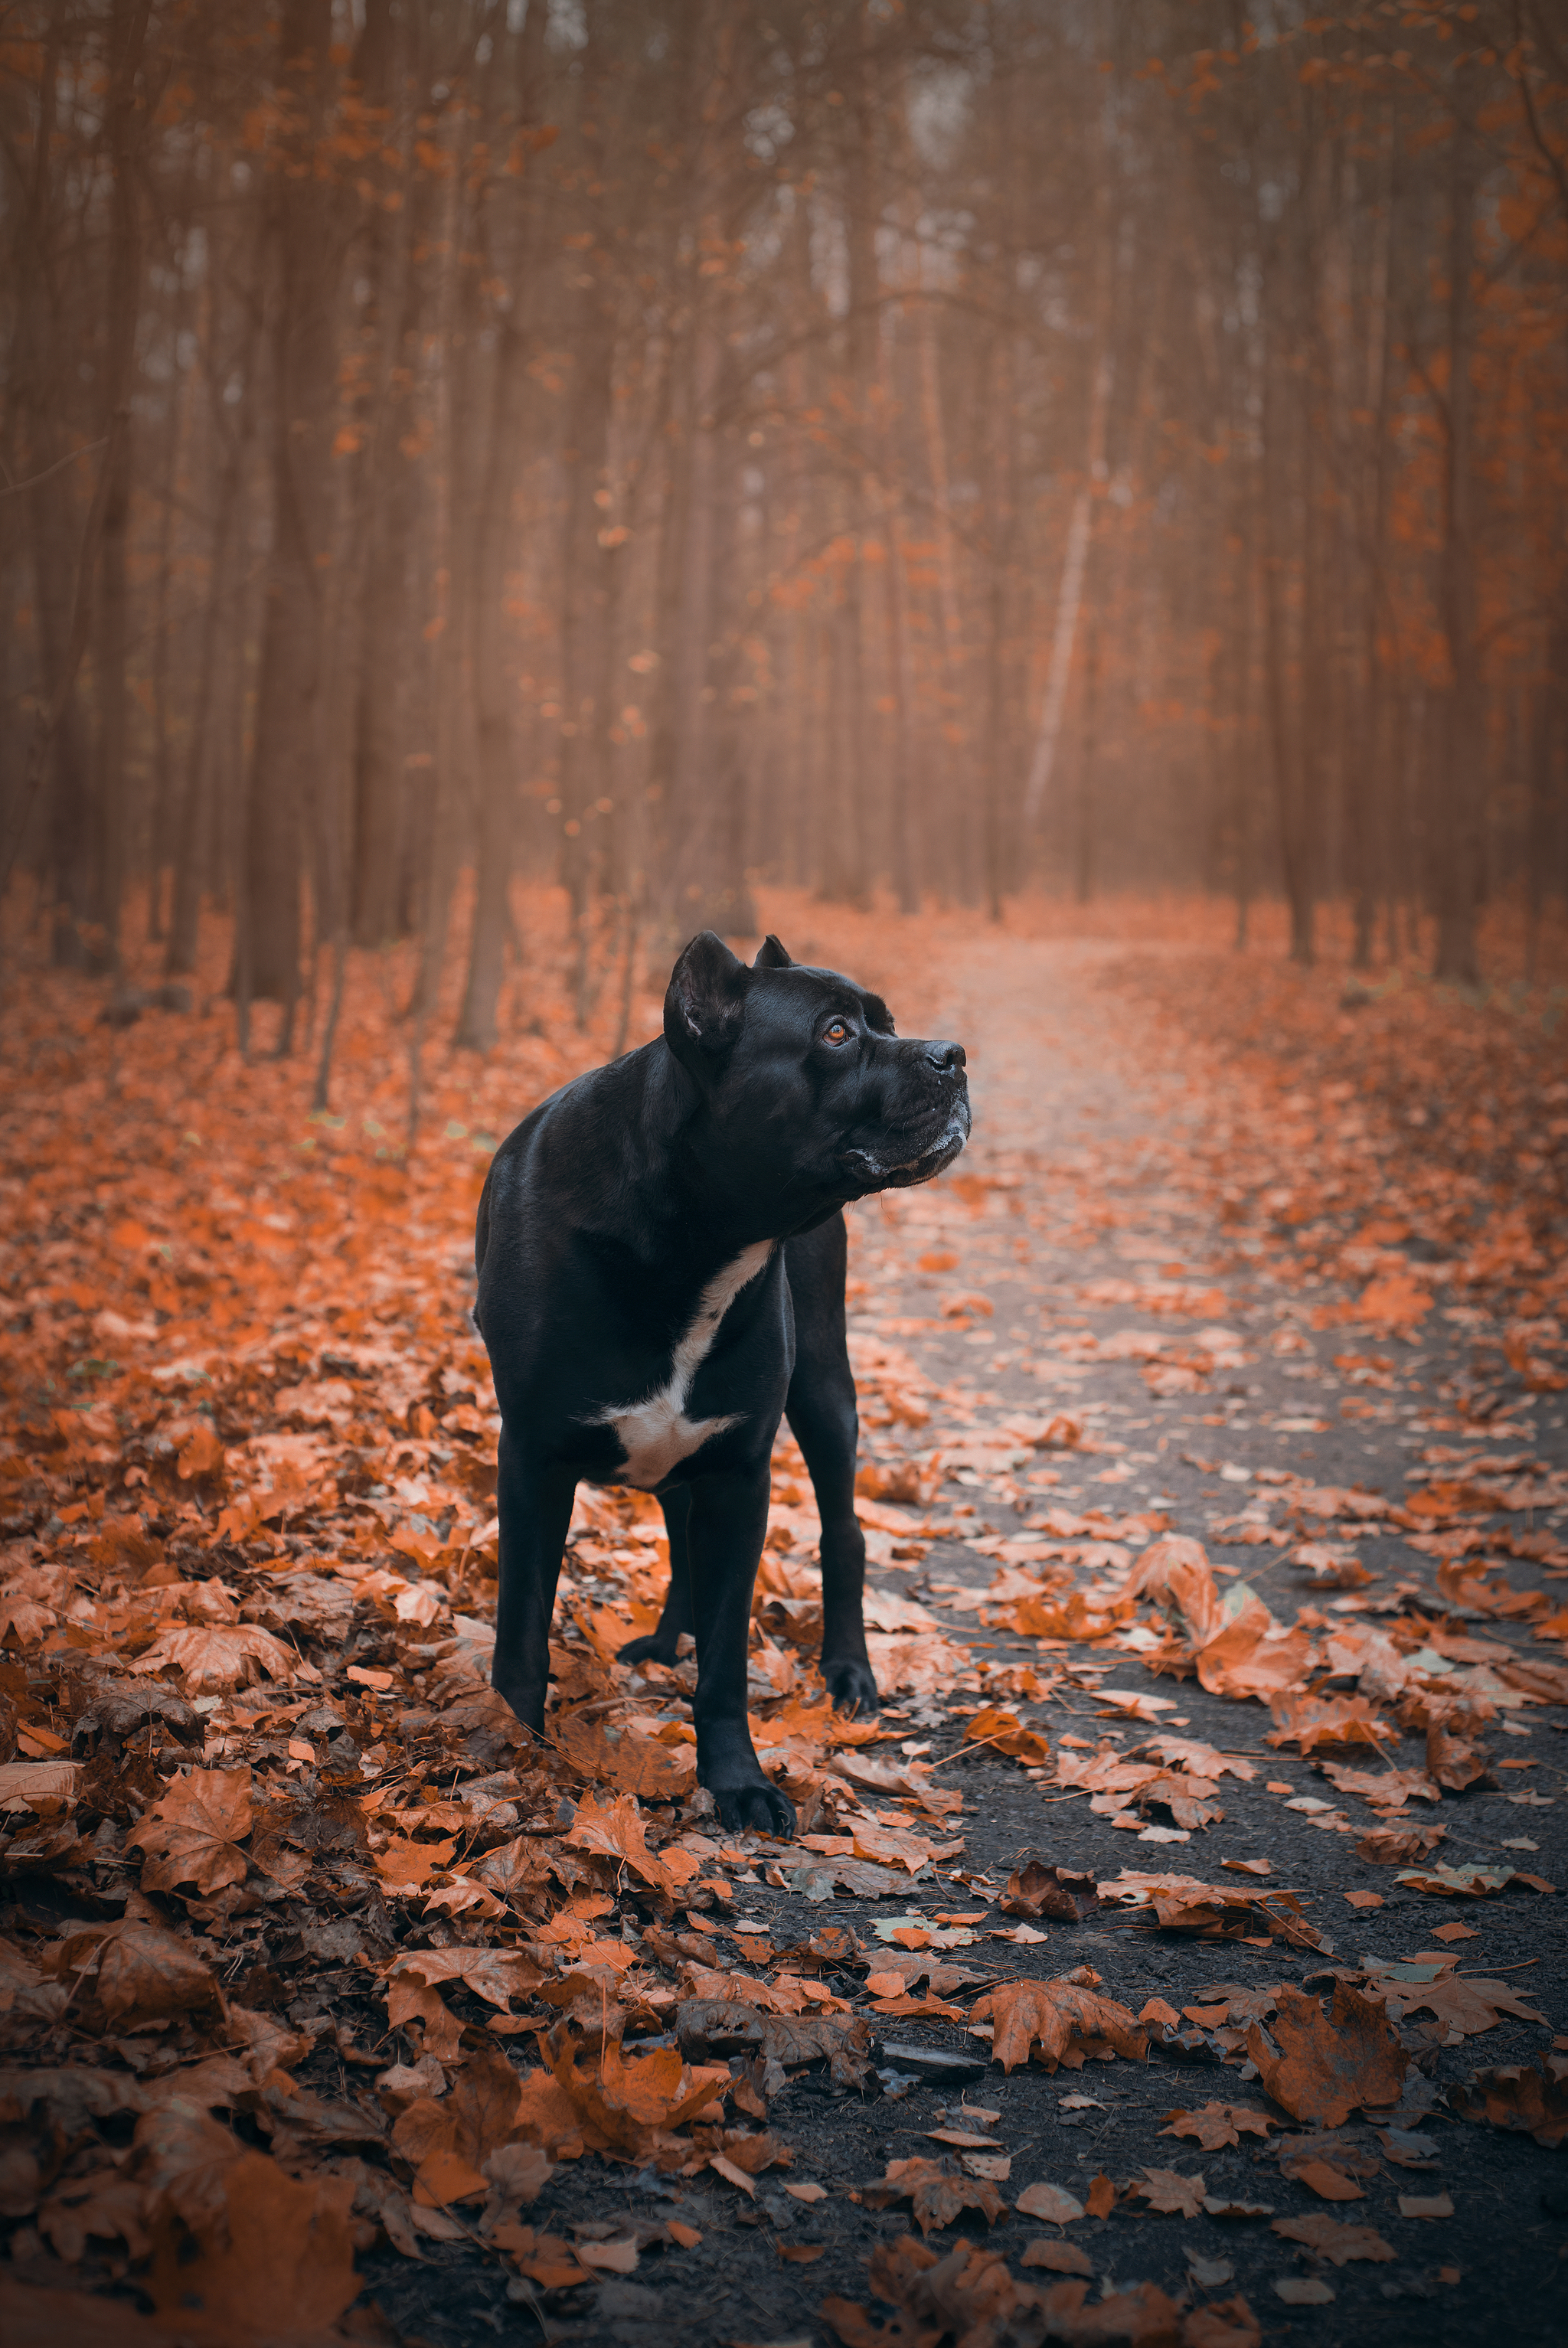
655,1433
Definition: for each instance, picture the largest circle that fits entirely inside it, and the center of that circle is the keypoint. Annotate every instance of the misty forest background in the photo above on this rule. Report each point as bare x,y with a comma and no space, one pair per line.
655,447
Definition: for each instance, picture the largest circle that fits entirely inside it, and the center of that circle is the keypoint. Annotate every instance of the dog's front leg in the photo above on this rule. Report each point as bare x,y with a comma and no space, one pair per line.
823,1419
533,1502
662,1645
728,1520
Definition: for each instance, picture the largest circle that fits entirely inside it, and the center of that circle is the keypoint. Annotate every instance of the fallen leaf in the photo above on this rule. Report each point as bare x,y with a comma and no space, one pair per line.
1303,2291
1049,2202
443,2178
1062,2018
1101,2198
1209,2275
1223,2323
1332,2240
1396,1846
1329,2066
1425,2205
1215,2126
1036,1890
936,2191
280,2262
1465,2002
139,1973
1168,2190
1330,2183
1004,1732
211,1657
1471,1879
1528,2100
619,2103
192,1835
1061,2258
1309,1721
618,1832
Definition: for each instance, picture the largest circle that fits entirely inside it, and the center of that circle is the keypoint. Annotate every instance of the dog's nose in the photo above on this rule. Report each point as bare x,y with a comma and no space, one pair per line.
949,1059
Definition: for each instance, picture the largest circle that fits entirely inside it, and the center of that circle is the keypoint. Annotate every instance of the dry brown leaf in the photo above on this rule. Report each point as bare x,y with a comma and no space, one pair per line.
280,2264
1004,1732
618,1832
553,2264
212,1657
1223,2323
937,2190
625,1761
1332,2240
1328,2066
192,1836
1049,2202
136,1973
1061,2258
1398,1845
1527,2099
1425,2205
1167,2189
1466,2002
1036,1889
1215,2126
1330,2183
620,2104
1064,2018
1309,1721
41,2318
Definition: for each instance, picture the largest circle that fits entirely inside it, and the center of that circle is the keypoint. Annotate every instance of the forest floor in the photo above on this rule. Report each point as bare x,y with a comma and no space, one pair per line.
1219,1392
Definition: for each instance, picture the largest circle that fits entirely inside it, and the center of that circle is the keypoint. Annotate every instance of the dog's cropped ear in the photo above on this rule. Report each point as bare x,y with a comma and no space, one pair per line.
705,1001
770,955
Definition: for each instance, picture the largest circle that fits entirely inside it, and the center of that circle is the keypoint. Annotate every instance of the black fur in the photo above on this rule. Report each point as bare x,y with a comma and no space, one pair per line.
604,1217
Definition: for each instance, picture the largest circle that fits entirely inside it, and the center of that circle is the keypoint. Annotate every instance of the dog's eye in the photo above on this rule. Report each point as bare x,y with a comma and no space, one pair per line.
837,1033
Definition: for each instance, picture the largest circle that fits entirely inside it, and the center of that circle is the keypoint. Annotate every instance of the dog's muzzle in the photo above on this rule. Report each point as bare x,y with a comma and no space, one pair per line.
918,1154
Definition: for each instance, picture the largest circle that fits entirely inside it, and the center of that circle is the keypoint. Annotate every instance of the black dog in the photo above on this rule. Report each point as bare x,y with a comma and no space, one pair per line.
661,1258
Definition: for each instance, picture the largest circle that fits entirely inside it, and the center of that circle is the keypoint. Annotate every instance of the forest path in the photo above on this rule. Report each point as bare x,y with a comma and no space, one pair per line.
1087,1207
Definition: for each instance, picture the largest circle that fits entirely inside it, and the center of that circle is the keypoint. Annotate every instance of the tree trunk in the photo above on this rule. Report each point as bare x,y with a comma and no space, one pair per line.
1461,779
62,548
1084,859
377,781
289,736
495,691
1288,756
128,33
224,605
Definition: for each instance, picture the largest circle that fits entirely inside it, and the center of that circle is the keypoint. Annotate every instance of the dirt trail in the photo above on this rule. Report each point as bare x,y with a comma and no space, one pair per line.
1104,1202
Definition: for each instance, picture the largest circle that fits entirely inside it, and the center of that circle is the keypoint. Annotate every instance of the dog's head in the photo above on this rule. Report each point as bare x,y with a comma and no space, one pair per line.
809,1093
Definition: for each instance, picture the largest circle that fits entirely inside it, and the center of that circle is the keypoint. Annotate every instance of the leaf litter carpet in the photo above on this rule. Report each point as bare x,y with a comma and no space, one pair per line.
1125,1981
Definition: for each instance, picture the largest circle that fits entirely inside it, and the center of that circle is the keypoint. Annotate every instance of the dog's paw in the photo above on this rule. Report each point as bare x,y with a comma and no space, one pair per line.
853,1687
650,1650
528,1705
755,1810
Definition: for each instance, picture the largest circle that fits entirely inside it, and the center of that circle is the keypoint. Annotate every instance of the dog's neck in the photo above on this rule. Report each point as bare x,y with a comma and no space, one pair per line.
696,1188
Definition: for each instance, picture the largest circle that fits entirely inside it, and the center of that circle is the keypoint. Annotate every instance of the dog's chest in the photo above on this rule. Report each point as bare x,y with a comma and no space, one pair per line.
656,1432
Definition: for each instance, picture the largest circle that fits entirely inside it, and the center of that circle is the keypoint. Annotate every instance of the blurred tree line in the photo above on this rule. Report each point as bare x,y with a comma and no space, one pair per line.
658,444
